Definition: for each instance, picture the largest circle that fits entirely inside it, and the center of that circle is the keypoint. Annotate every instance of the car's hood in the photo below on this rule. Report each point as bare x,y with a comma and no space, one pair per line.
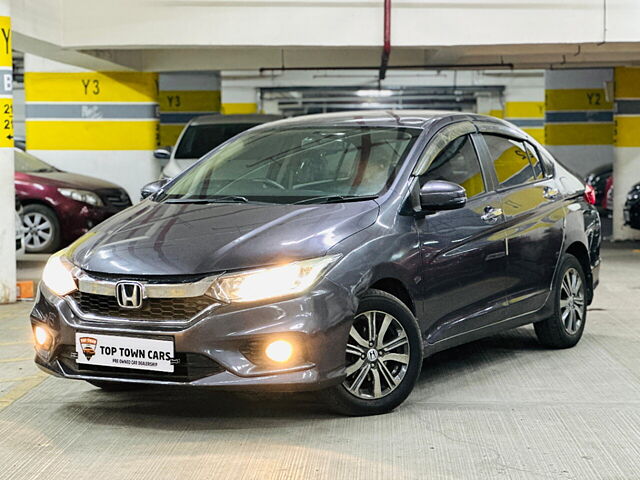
67,180
185,239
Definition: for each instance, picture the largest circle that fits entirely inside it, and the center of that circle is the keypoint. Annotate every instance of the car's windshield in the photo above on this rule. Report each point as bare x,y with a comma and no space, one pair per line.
27,163
200,139
298,164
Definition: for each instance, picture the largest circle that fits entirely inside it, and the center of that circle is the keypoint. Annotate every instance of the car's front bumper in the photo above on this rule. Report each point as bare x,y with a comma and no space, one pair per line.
223,349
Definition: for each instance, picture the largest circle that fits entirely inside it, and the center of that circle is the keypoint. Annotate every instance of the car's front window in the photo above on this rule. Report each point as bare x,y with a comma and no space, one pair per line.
26,163
298,164
201,139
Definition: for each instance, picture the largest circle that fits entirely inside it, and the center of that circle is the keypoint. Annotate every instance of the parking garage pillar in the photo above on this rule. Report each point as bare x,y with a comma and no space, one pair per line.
102,124
579,117
184,95
626,164
7,215
239,99
524,105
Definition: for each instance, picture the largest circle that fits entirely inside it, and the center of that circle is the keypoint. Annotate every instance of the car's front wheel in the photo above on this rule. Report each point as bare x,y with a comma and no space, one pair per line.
564,328
383,357
42,229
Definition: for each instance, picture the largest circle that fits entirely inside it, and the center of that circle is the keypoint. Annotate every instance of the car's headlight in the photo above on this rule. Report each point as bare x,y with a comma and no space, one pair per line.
266,283
83,196
57,274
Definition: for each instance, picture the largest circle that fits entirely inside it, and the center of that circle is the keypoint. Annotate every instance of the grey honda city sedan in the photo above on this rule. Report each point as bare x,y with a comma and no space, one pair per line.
329,253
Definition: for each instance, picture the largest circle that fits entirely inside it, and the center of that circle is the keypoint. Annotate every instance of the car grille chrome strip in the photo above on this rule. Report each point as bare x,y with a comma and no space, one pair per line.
120,318
87,284
165,304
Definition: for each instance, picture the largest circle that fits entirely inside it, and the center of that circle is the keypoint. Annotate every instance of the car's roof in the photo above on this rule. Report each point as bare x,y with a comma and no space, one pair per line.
232,119
384,118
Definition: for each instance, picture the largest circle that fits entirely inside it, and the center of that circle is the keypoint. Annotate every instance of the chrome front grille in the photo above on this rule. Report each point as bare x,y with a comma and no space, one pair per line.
160,310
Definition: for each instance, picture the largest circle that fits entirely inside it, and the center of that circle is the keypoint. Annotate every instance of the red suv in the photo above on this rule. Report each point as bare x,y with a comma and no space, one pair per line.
60,206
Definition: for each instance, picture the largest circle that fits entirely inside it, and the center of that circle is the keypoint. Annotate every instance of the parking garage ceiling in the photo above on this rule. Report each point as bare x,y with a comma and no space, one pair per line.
152,36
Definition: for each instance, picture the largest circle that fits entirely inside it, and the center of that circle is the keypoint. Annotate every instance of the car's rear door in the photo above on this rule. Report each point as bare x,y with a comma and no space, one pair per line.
534,217
463,251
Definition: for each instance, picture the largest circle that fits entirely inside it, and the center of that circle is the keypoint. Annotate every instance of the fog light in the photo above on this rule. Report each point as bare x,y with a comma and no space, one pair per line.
43,339
279,351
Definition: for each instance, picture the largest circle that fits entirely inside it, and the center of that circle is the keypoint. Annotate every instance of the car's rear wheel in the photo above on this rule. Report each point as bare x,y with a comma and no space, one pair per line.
565,327
383,357
42,229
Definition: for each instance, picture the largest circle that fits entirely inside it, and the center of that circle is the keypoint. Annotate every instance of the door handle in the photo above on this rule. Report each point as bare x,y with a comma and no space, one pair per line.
550,193
491,214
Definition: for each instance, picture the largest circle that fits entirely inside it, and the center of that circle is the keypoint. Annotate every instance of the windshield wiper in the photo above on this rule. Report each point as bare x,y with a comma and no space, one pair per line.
225,199
335,199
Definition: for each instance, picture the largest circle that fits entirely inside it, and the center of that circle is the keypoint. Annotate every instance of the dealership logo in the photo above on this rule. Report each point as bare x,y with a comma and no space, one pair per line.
88,345
129,294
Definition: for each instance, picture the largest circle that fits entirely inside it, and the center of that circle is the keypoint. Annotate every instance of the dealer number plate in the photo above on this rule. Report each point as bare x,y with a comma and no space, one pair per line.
124,352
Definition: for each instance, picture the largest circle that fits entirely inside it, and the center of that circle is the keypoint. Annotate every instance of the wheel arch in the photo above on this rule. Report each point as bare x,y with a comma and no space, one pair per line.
38,201
397,288
579,250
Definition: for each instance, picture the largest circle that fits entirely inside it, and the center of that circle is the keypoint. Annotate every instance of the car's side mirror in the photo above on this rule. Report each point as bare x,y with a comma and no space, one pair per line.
438,195
162,153
152,188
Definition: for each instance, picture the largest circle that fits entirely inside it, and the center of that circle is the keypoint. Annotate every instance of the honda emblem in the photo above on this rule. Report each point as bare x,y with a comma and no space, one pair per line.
129,294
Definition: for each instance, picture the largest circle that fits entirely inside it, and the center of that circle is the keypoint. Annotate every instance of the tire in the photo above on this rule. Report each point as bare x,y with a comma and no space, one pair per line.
116,386
42,229
565,327
371,369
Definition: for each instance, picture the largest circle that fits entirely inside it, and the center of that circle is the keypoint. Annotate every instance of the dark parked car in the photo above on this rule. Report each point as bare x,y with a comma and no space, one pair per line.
632,207
59,206
598,180
329,252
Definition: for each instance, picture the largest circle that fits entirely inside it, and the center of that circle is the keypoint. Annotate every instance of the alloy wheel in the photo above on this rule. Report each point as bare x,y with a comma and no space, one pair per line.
39,230
377,355
572,301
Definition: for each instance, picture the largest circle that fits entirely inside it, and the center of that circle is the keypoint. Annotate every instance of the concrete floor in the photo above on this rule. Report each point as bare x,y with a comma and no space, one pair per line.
498,408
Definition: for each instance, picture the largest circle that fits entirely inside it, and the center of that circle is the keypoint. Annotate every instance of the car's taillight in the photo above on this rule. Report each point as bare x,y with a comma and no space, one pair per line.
590,195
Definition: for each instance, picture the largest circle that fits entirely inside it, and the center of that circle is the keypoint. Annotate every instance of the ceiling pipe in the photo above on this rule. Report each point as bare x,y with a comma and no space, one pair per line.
386,49
444,66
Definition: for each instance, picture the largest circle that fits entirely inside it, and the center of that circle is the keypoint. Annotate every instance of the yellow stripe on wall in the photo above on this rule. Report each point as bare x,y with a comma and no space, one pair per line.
578,133
91,135
91,87
577,99
496,113
239,108
537,133
627,82
169,133
524,110
627,131
189,101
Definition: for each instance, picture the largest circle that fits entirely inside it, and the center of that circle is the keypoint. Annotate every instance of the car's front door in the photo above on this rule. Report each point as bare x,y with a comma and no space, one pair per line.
463,251
534,216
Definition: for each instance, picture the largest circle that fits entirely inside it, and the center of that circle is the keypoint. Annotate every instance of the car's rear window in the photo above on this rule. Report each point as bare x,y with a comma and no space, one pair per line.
200,139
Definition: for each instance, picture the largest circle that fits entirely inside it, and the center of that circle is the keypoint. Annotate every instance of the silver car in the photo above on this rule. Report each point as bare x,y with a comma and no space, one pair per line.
203,134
